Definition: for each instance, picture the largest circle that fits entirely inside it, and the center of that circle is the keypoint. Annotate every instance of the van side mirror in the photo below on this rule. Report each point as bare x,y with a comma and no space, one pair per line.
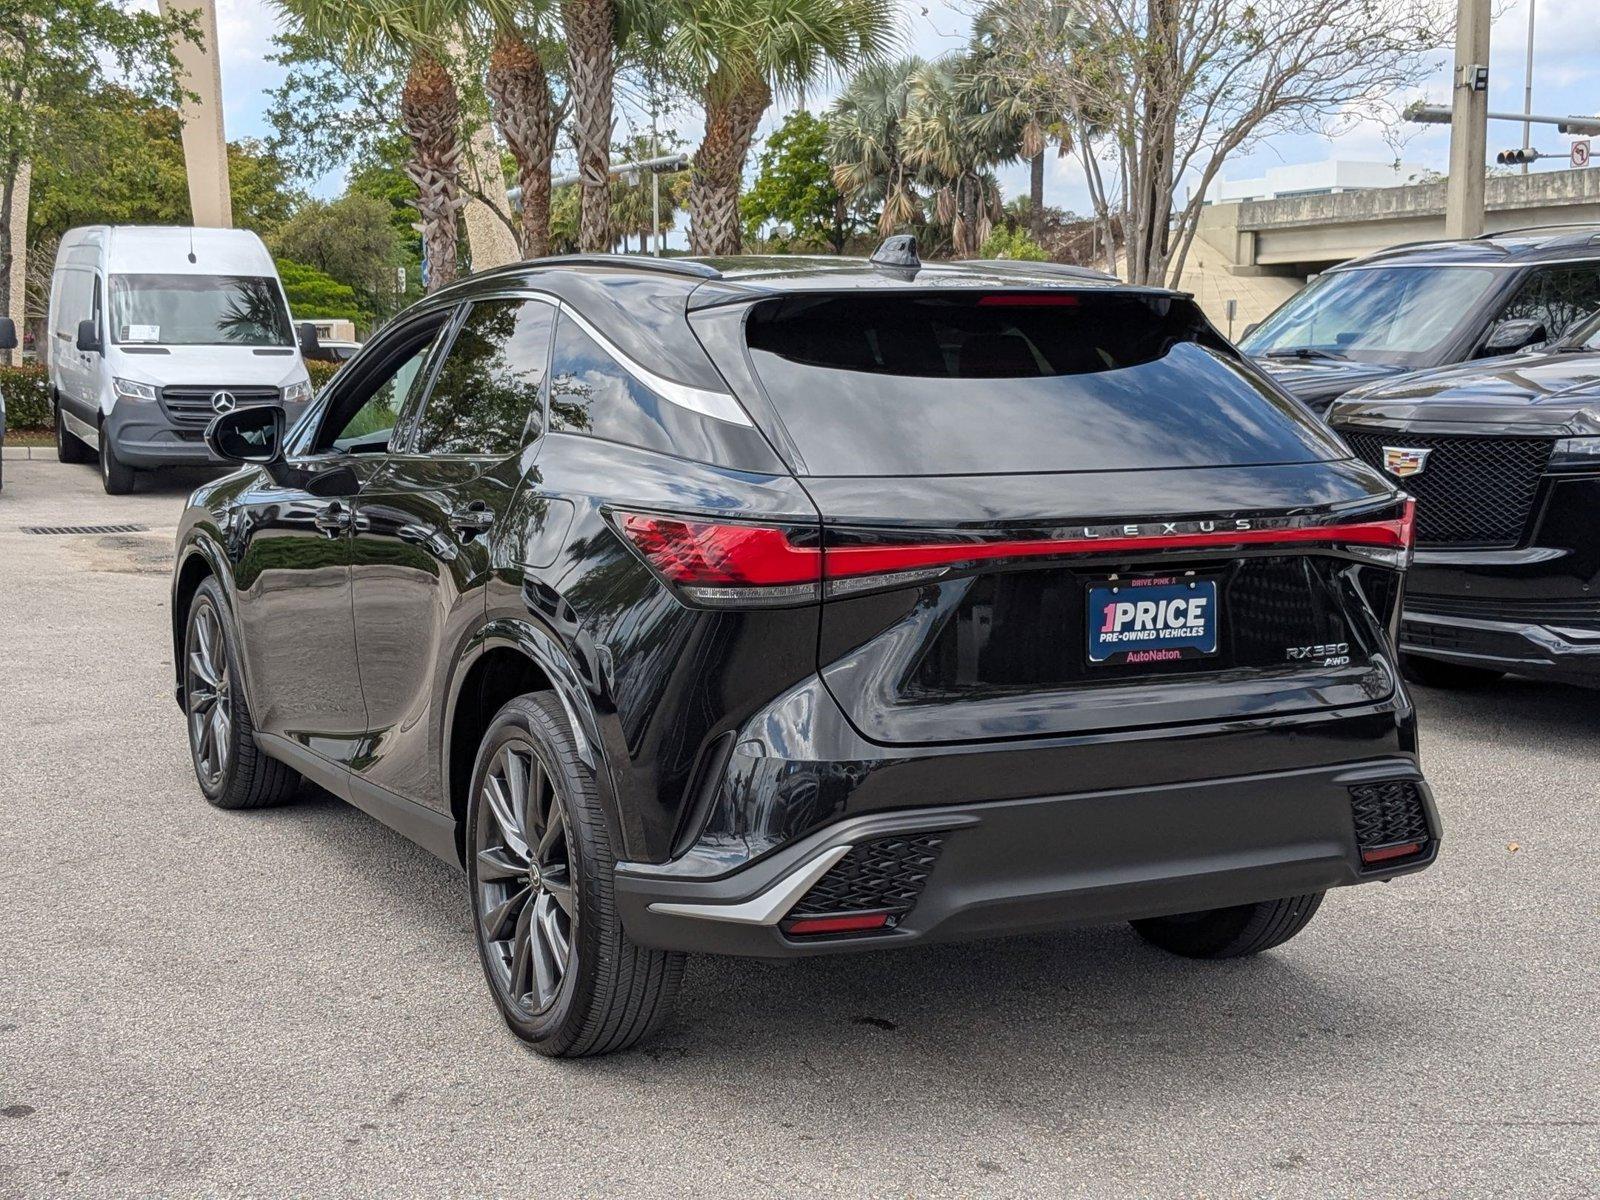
248,435
89,337
8,334
1514,335
1249,329
306,334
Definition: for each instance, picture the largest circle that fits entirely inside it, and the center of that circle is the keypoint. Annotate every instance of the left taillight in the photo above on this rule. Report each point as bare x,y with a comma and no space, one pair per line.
718,563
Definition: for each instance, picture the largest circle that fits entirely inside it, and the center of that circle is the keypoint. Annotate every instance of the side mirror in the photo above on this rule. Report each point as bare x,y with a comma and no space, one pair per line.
248,435
1249,329
8,334
1513,335
306,334
89,337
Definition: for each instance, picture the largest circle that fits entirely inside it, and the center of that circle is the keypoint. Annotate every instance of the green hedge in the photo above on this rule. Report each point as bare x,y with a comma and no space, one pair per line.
27,392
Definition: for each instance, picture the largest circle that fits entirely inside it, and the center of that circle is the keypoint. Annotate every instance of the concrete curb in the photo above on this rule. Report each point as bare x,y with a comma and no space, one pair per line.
9,452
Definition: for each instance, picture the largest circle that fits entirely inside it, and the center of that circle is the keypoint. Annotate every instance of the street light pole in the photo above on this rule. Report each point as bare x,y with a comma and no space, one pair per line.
1469,122
1527,84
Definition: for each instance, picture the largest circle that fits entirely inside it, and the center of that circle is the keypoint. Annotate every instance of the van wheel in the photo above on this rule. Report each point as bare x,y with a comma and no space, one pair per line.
539,865
1231,932
1437,673
68,448
115,474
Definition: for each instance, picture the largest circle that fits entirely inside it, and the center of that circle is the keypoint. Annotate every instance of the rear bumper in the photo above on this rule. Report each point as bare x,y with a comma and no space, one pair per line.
1021,866
1564,655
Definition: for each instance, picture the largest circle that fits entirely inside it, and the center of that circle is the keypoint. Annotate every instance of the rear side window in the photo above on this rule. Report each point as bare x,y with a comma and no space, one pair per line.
1557,297
1011,382
487,388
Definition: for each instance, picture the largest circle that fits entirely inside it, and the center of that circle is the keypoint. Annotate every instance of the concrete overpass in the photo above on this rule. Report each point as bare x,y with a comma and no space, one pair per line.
1260,252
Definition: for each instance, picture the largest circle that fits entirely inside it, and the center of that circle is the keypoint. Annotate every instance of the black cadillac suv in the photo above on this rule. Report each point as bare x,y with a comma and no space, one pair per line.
1427,305
782,607
1503,458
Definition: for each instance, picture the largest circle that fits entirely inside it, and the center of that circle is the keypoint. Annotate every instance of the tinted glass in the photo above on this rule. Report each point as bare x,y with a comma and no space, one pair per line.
199,310
901,385
1559,298
488,386
364,414
1396,315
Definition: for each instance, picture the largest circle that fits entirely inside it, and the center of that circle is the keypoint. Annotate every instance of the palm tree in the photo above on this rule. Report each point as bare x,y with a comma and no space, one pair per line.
864,142
592,32
412,35
951,148
518,85
737,54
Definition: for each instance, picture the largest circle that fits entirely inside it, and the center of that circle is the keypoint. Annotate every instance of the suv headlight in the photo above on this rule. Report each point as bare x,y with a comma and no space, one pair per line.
1576,454
297,393
132,389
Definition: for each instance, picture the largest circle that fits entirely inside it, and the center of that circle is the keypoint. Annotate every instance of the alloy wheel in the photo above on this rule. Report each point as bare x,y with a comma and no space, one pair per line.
208,696
525,879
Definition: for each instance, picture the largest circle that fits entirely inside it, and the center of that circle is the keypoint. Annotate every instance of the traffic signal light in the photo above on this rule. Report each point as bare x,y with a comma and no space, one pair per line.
1511,158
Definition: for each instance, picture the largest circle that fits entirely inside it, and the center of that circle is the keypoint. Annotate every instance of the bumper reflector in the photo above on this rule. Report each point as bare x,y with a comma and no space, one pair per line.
1386,853
850,924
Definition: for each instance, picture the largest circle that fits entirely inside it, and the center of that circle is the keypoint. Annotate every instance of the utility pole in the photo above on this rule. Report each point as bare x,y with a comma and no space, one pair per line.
205,148
1469,122
1527,85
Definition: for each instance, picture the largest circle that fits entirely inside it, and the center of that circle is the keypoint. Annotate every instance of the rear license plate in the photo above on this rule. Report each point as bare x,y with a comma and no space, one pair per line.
1152,620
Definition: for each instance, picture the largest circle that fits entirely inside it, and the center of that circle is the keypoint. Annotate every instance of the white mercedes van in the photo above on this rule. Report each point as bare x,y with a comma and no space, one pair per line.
154,331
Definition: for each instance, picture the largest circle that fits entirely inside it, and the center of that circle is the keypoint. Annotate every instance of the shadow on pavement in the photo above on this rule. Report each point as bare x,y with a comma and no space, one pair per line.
1516,709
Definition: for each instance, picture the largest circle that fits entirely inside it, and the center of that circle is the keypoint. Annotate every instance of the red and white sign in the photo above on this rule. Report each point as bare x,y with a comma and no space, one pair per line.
1580,152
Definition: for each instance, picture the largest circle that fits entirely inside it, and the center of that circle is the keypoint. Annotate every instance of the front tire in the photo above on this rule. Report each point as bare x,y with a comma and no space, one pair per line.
116,475
539,866
68,448
231,770
1231,932
1437,673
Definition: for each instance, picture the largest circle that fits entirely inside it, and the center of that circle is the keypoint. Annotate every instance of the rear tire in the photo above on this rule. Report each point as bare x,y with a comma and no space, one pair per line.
230,768
1231,932
539,869
68,448
1437,673
116,475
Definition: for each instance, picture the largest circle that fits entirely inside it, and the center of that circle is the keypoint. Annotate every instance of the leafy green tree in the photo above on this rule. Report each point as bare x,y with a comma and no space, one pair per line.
315,295
866,136
736,55
54,56
351,240
794,187
1012,242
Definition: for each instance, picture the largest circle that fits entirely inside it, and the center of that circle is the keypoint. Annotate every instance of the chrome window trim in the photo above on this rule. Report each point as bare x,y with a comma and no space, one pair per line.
719,406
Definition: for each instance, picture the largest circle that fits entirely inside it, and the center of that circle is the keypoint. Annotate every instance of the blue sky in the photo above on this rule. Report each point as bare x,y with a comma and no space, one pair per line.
1566,80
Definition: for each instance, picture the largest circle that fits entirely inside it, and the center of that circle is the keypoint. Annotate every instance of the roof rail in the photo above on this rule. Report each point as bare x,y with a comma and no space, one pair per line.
1550,228
1024,266
635,262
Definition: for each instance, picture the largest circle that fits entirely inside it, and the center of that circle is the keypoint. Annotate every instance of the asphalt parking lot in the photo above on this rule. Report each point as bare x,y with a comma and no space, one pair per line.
288,1001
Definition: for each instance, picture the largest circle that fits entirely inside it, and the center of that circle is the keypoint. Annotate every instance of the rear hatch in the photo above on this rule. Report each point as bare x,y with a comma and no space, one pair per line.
1068,511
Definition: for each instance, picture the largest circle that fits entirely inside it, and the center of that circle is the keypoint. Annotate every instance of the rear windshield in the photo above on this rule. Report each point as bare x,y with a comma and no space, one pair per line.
896,384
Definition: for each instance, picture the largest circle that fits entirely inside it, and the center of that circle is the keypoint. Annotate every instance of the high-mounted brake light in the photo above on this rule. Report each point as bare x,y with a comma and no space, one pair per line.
1007,300
742,564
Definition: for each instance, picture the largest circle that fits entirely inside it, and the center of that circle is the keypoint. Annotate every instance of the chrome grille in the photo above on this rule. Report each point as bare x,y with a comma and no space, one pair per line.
192,406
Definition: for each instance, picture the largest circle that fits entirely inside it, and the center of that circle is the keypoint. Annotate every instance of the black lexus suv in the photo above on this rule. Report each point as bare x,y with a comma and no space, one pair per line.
1427,305
1503,458
789,606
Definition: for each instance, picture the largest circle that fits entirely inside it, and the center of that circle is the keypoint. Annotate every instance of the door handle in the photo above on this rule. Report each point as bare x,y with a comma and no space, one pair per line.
472,520
332,518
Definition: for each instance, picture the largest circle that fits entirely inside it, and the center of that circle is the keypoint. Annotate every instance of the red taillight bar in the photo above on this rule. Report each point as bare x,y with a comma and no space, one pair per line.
710,555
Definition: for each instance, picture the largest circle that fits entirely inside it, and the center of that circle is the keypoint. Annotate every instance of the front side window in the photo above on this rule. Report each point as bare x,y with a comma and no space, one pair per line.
1559,298
198,310
488,386
1397,315
362,416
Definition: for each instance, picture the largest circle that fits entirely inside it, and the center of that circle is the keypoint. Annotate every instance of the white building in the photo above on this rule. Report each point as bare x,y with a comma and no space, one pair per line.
1316,179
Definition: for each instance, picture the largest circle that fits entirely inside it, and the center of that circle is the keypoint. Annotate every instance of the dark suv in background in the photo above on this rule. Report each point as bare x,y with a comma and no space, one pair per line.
1503,458
1429,305
786,607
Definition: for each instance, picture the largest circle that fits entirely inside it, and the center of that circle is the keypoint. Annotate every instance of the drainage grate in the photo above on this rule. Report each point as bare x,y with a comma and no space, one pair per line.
55,530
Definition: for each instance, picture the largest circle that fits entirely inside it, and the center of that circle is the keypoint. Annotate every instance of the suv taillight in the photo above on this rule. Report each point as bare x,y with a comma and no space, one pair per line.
735,564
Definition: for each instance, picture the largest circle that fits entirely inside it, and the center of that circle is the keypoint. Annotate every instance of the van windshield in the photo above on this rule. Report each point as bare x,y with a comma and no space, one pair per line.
198,310
975,384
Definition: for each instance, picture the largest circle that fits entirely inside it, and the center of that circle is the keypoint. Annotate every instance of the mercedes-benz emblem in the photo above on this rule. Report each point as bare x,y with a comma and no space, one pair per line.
223,402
